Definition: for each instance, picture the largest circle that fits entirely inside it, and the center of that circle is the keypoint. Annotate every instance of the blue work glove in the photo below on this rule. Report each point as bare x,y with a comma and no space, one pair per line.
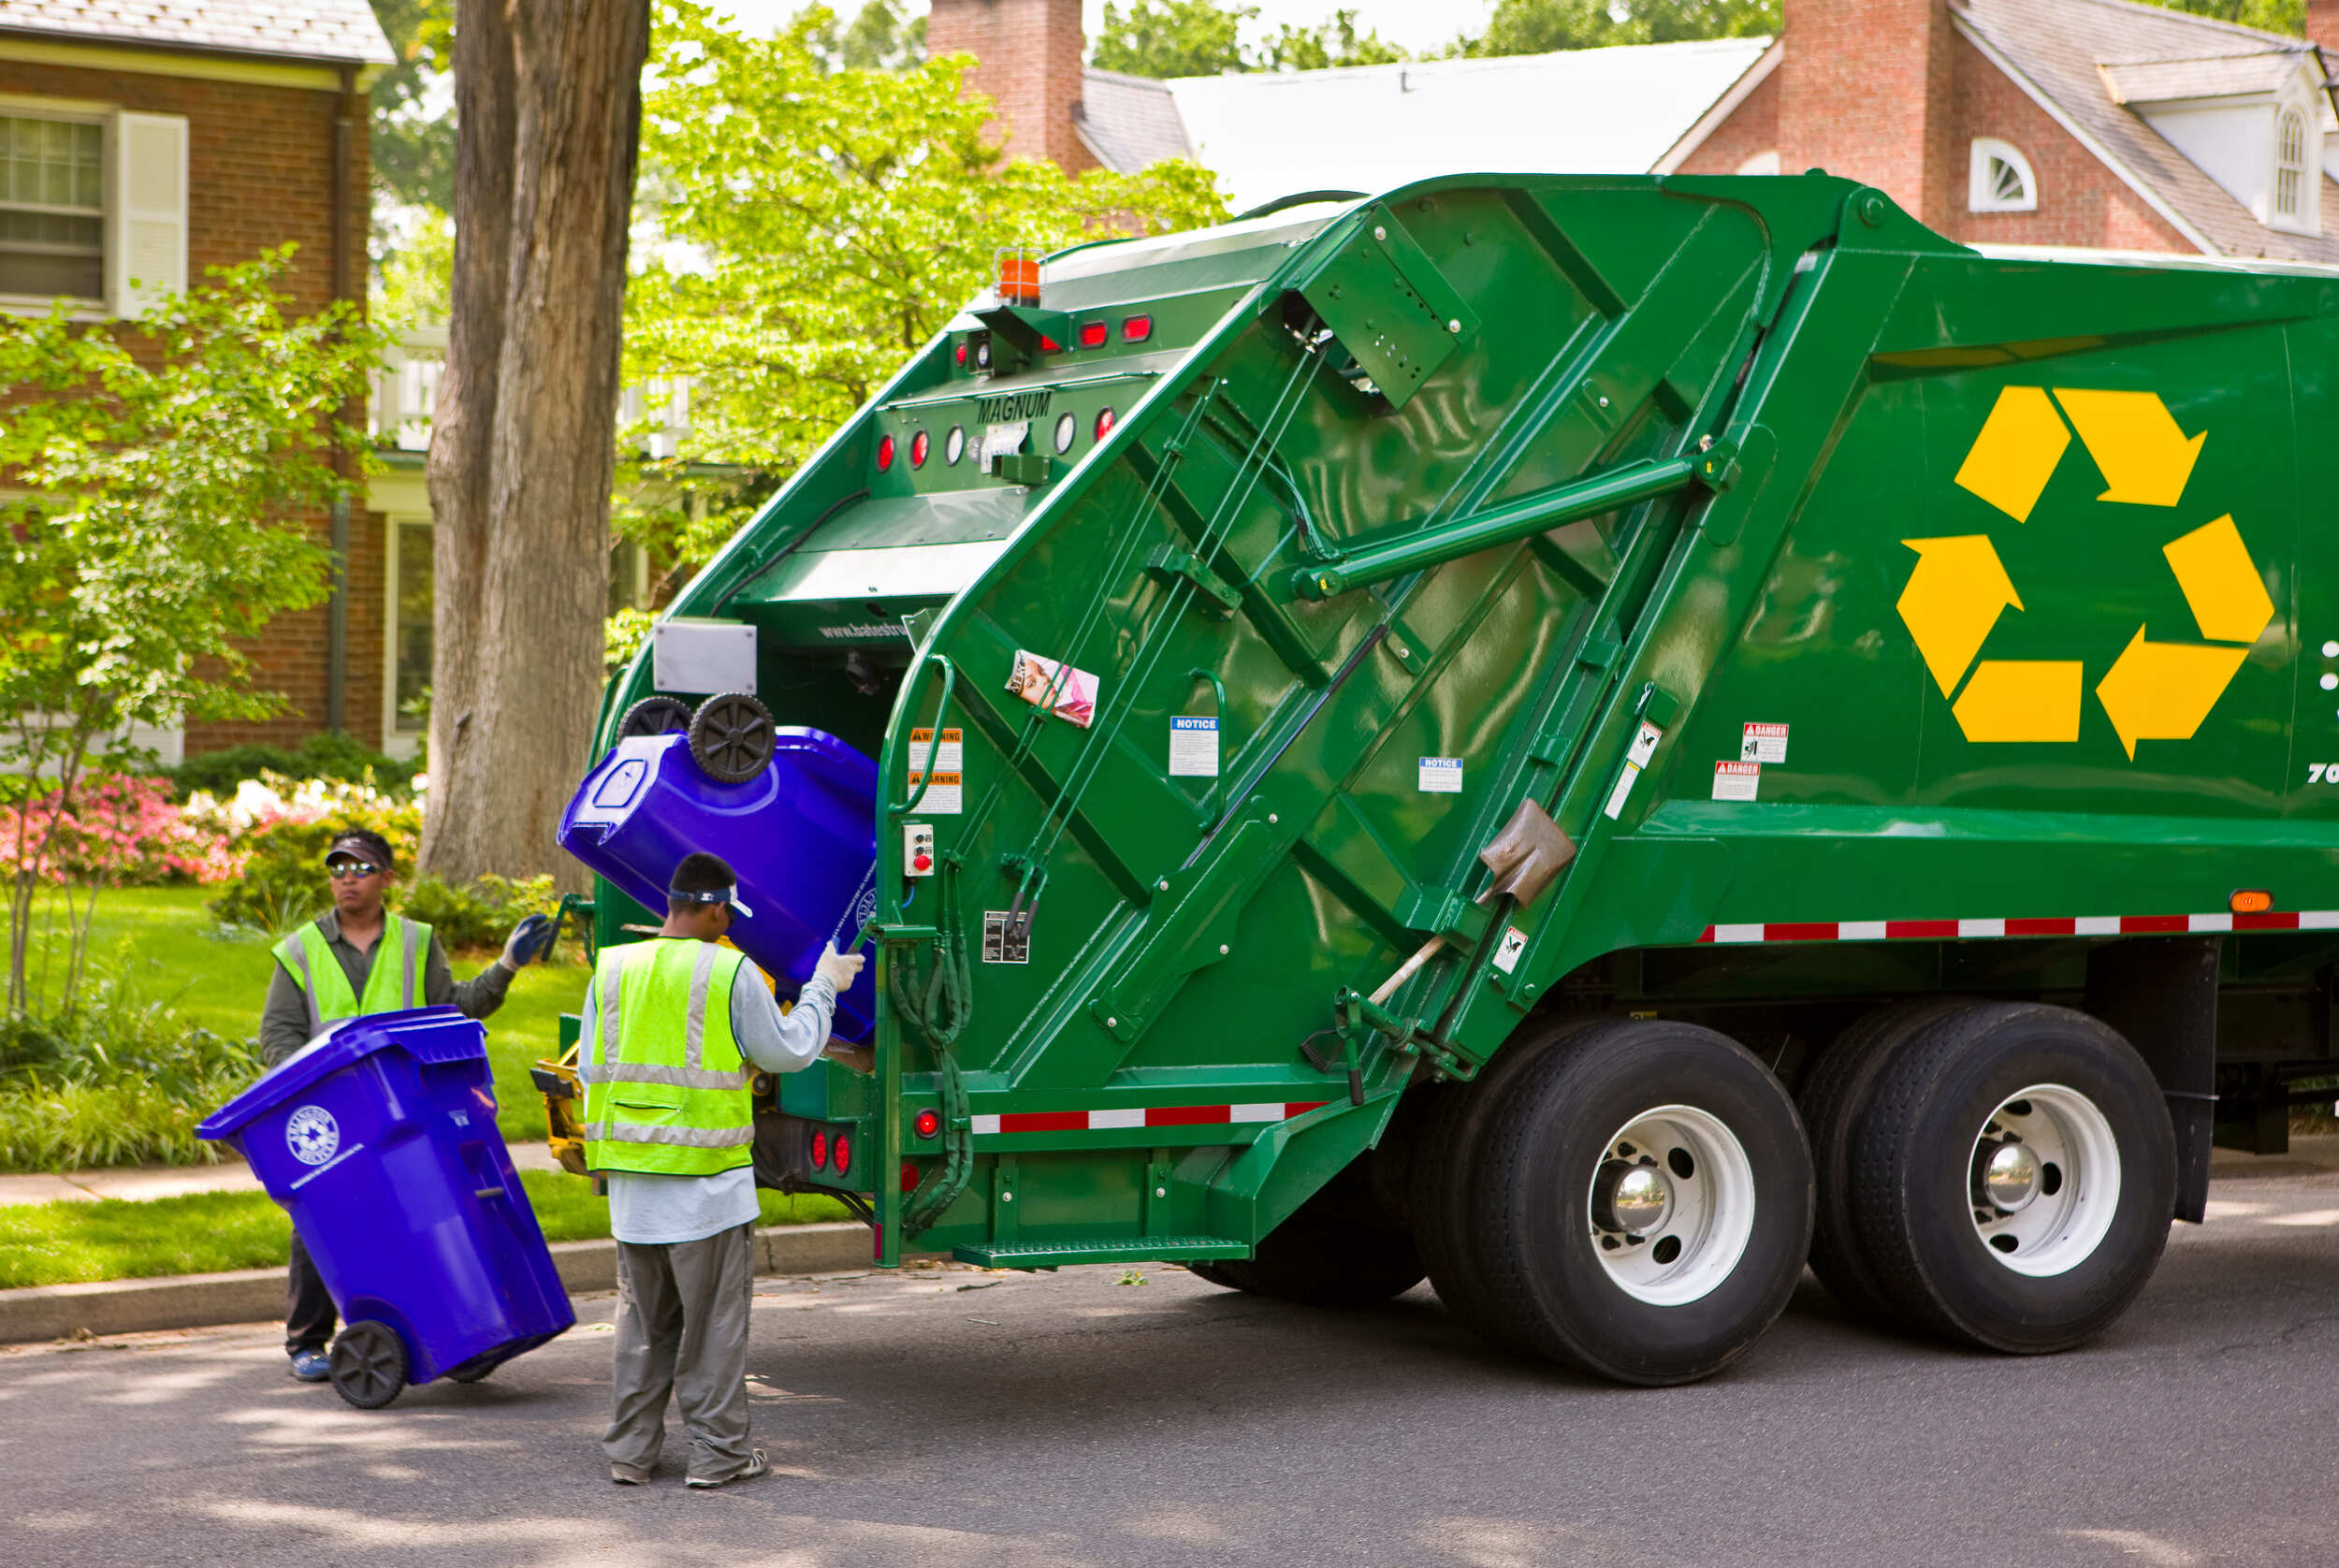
530,940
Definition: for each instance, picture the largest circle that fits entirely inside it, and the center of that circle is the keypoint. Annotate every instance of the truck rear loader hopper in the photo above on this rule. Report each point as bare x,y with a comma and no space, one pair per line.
1586,738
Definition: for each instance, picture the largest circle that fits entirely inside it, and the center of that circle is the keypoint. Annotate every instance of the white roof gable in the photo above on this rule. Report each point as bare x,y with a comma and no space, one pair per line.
1372,127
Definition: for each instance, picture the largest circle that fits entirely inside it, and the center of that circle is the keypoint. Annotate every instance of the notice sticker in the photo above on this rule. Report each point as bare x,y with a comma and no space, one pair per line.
947,798
1764,743
1737,780
997,945
1440,776
1507,951
1194,748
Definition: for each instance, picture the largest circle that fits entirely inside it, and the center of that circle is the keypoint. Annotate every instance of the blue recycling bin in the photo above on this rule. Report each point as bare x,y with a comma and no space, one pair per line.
379,1138
800,835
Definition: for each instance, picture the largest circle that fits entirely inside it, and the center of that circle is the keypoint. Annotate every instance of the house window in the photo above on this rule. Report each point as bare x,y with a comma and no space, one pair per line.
52,208
2290,165
1765,162
410,631
1999,179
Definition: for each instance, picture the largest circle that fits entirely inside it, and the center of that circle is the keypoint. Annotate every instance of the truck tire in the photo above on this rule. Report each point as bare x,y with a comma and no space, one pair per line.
2013,1177
1339,1249
1833,1093
1643,1202
1438,1196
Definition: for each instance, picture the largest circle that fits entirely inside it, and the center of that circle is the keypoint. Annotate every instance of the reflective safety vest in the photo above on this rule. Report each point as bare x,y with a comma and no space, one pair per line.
665,1085
395,982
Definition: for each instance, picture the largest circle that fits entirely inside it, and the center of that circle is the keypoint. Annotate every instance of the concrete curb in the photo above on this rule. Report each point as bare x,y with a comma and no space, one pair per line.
257,1295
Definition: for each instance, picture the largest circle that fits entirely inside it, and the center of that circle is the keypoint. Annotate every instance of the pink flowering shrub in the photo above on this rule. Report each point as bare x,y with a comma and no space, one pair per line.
117,830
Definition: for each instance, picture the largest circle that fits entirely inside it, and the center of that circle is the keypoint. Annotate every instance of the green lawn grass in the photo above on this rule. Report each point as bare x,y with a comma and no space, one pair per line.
62,1243
168,947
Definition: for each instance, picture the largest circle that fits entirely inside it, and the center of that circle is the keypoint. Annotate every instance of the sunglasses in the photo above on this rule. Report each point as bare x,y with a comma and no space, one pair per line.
343,870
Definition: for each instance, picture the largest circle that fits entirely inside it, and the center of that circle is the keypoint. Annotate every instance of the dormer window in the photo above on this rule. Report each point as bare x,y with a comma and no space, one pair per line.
1999,179
2290,165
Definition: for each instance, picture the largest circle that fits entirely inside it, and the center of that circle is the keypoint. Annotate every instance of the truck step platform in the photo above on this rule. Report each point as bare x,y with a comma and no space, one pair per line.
1109,1249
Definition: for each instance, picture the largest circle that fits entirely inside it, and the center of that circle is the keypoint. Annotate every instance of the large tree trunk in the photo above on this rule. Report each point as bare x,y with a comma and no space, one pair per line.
522,450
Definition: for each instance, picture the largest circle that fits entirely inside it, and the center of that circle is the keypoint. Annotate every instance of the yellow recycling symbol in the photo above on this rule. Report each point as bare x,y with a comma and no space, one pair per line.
2154,690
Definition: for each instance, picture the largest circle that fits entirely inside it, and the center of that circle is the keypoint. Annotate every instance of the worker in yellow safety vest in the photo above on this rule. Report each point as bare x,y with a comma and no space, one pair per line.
674,1028
358,958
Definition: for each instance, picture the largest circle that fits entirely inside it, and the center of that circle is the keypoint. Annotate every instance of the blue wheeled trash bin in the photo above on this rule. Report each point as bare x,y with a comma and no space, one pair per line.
379,1138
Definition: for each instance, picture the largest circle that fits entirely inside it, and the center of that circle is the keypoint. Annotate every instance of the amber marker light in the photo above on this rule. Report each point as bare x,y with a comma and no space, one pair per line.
2250,901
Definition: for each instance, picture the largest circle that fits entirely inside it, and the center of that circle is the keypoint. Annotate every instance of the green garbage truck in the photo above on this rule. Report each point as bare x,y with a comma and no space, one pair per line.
1593,740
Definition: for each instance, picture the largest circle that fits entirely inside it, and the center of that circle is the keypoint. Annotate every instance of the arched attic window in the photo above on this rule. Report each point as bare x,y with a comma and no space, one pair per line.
2000,179
1765,162
2290,165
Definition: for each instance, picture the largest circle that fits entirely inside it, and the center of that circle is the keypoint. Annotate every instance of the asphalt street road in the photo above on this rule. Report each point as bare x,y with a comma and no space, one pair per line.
951,1416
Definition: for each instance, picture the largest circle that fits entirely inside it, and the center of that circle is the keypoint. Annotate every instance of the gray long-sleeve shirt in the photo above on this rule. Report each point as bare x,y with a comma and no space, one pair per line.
285,1017
651,1210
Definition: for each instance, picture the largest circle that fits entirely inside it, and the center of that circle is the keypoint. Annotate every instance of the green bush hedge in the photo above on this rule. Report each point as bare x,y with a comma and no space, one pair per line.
328,755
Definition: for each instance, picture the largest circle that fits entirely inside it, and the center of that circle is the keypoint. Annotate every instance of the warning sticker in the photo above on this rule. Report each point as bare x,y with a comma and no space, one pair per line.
1194,748
1507,951
1440,776
1736,780
947,798
1764,743
1000,944
1644,747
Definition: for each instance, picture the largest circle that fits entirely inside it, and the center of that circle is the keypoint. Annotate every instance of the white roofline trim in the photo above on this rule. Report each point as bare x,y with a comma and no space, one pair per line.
2078,133
1724,107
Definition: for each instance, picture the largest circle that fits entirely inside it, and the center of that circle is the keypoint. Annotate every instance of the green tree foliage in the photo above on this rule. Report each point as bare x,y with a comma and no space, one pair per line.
158,526
819,227
1545,26
2273,16
877,38
413,127
1172,37
1200,37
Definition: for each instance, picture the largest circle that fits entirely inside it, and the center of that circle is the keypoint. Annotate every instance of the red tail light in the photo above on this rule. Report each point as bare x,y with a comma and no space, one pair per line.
918,446
909,1177
962,351
1136,329
1094,333
1049,346
928,1124
820,1150
844,1152
1104,424
885,453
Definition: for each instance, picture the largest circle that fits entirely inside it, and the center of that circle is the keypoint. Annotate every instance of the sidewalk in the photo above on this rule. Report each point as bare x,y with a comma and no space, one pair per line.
175,1181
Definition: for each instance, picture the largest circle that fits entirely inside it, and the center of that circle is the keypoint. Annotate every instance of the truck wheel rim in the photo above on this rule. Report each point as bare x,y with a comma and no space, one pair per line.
2045,1181
1683,1173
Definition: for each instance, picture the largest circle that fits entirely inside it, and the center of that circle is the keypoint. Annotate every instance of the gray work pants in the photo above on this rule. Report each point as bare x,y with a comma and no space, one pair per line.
682,1326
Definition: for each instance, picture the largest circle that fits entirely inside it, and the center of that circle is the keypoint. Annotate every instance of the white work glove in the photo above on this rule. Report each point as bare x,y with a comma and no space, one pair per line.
840,969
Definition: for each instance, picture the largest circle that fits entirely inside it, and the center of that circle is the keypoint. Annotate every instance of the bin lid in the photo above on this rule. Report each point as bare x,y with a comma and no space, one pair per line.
426,1033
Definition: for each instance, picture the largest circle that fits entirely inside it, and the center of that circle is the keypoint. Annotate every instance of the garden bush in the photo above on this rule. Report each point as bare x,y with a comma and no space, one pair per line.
283,882
329,756
480,915
116,1079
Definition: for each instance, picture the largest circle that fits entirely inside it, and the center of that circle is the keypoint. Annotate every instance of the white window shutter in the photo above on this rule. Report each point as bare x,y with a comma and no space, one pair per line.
145,244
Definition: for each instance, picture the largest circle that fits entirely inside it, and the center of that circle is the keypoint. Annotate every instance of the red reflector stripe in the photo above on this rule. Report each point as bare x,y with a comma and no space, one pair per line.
1188,1115
1044,1121
2041,928
2269,922
1804,931
2154,922
1971,928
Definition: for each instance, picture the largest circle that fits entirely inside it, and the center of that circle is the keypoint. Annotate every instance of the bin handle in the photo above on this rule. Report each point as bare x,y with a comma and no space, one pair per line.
949,683
1206,805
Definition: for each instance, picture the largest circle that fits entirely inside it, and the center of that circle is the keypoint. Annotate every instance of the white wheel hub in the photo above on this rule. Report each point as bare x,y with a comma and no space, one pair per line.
1672,1205
2045,1180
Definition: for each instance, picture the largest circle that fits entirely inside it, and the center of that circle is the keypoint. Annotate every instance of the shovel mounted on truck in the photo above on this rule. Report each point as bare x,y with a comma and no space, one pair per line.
1553,732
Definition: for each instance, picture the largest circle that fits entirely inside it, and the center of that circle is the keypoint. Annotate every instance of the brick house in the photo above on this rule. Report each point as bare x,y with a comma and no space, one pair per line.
2104,123
142,143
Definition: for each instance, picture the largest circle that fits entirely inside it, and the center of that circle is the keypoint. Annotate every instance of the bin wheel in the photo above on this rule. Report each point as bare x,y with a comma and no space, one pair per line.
2016,1174
1642,1202
655,716
732,737
368,1364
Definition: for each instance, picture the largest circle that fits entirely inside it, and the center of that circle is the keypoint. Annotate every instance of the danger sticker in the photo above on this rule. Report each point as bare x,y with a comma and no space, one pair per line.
1507,951
1194,748
1440,776
1737,780
1764,743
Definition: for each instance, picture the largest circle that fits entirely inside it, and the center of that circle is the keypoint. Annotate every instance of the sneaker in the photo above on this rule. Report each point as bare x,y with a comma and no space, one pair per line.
631,1474
756,1465
312,1366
